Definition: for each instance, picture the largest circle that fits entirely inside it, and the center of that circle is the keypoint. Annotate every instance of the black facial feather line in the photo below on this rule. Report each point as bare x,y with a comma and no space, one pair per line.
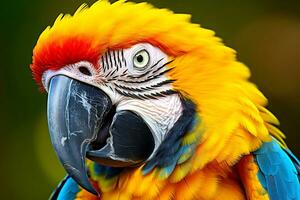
148,85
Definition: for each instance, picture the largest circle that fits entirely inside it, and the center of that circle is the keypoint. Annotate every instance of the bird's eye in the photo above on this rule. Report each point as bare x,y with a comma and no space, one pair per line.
141,59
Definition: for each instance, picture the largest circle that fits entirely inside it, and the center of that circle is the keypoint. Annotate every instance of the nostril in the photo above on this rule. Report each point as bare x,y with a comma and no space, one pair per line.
85,71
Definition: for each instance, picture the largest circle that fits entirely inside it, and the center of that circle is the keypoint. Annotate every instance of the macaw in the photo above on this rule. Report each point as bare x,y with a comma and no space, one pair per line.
144,104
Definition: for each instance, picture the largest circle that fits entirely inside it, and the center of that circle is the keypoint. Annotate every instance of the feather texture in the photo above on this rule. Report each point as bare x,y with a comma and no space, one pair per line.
68,190
277,172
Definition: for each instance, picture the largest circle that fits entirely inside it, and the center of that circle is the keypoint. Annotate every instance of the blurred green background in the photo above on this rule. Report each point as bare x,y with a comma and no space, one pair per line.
265,33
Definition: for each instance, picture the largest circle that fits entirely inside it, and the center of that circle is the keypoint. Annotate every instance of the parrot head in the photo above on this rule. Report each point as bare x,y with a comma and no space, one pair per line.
131,85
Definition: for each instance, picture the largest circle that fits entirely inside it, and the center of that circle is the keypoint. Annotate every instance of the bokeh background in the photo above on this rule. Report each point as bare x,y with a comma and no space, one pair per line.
265,33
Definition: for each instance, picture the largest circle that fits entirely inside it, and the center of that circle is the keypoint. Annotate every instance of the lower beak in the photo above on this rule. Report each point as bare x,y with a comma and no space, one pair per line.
75,115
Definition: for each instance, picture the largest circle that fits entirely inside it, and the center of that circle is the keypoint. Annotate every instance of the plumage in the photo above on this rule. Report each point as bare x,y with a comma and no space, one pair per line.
225,145
67,190
277,171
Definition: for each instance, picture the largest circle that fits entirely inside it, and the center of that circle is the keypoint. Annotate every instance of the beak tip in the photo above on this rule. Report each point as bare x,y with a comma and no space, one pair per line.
93,191
81,178
89,187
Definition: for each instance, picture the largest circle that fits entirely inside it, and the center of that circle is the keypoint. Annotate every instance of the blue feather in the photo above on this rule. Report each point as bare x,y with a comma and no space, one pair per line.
69,190
262,179
98,169
106,171
278,172
295,161
66,190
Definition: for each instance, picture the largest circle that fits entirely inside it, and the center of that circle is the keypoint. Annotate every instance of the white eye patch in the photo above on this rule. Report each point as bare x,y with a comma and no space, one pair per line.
142,57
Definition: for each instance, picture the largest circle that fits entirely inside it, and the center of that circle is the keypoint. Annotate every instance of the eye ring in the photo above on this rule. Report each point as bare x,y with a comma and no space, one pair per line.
141,59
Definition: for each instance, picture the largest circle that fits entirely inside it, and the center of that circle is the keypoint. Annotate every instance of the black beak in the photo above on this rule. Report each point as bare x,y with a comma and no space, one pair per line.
75,114
81,123
130,144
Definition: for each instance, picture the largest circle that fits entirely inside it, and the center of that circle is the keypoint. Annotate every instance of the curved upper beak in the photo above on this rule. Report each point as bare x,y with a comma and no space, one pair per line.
75,114
81,123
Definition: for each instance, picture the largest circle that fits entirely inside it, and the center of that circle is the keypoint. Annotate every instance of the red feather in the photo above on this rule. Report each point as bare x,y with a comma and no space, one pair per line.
59,54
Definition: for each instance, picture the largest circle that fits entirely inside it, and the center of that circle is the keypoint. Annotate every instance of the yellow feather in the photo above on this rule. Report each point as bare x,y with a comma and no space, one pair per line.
107,184
268,116
167,193
248,125
180,172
